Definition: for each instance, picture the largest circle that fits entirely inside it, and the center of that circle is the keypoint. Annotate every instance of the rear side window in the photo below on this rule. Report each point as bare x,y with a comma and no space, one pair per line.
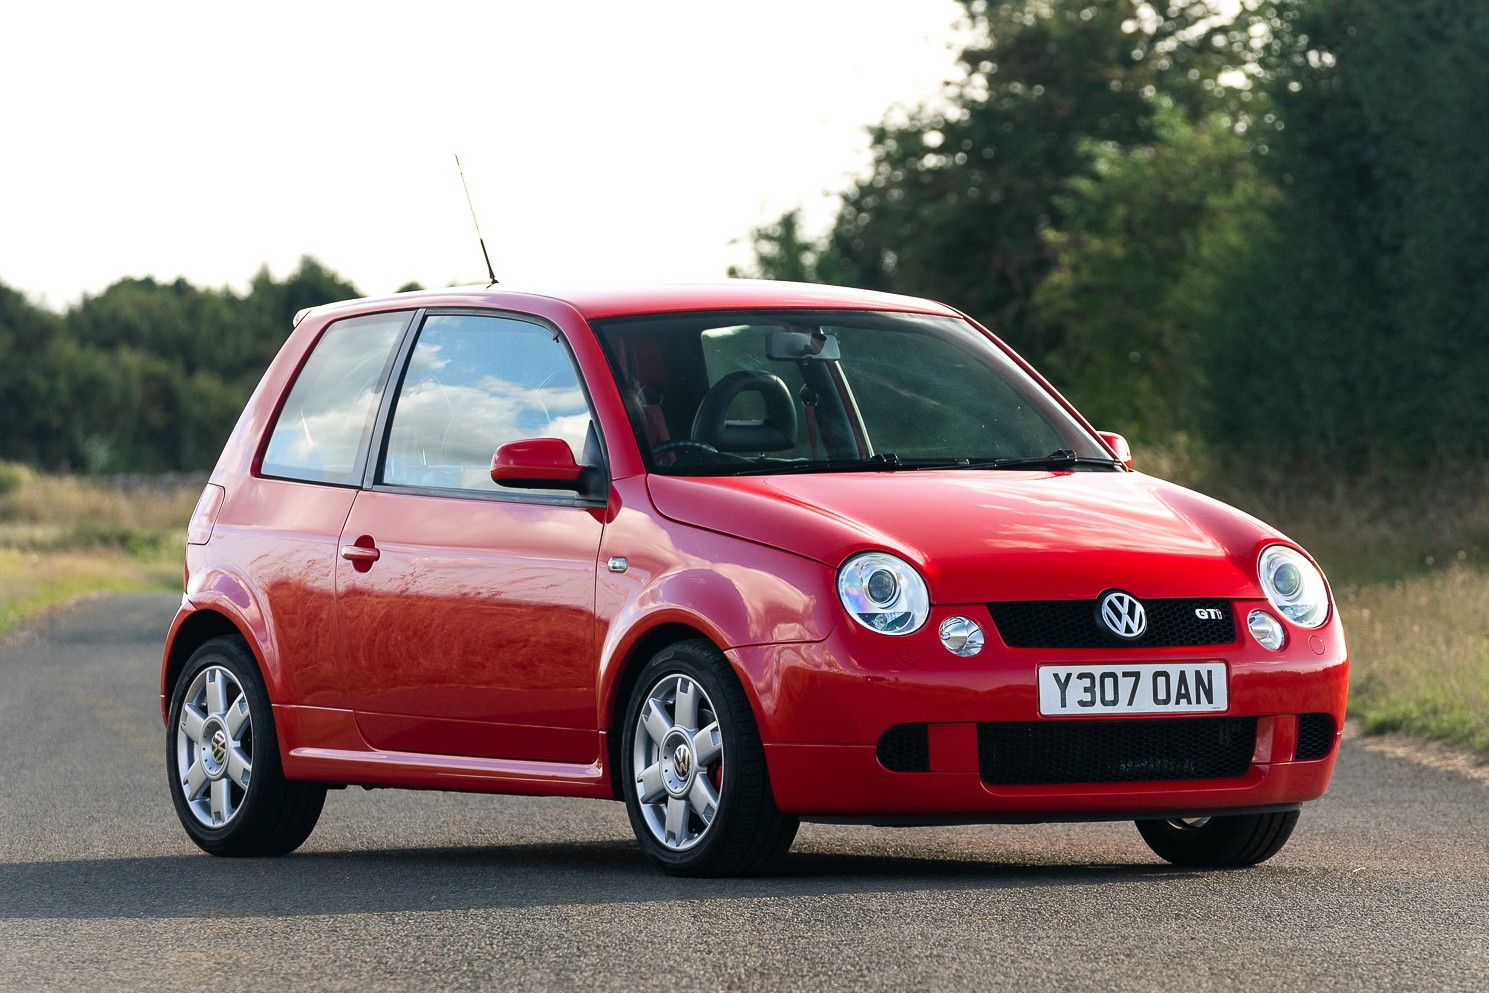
321,433
473,384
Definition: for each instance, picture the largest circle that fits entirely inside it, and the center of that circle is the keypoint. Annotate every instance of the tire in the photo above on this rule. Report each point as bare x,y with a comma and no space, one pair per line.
222,759
693,769
1219,842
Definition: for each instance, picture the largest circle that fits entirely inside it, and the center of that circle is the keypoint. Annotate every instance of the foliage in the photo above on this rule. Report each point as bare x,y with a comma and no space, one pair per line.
1134,265
145,376
1261,230
1354,327
1012,200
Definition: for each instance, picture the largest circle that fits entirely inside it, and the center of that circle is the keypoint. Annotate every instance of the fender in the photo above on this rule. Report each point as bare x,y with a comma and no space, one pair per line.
752,595
224,590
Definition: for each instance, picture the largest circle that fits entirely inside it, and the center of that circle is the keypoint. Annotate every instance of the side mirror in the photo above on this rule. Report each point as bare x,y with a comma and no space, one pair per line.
537,464
1118,445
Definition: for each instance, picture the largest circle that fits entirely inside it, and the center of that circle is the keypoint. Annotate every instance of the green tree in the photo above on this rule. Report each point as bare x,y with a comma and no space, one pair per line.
1132,280
145,376
1064,111
310,285
29,339
1353,328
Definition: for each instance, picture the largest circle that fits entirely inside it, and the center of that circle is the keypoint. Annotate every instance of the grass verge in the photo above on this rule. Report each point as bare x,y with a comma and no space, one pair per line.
65,535
30,581
1408,557
1419,652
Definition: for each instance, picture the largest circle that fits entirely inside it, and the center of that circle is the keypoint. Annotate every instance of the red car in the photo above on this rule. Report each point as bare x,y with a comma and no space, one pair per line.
738,555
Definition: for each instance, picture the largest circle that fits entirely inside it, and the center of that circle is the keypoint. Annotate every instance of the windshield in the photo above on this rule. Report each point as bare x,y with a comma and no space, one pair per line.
802,391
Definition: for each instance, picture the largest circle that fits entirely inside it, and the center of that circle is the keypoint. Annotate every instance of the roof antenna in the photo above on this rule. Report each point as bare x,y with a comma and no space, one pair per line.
489,271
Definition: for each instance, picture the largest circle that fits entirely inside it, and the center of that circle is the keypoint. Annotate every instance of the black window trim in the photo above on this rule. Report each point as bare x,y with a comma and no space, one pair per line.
378,442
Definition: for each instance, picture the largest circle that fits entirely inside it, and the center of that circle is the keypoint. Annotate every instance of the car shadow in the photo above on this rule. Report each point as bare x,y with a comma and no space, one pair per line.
494,876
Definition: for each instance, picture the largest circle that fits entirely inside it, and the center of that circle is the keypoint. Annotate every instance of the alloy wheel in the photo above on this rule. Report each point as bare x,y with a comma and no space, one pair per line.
677,760
214,747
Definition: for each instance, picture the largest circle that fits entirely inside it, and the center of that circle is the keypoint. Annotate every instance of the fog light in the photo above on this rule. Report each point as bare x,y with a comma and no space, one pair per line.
1266,629
961,636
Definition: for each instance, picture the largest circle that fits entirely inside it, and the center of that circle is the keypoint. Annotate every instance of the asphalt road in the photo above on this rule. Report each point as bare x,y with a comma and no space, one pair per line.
1385,885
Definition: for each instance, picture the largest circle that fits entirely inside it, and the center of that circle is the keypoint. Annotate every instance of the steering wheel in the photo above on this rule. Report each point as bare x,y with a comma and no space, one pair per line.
677,446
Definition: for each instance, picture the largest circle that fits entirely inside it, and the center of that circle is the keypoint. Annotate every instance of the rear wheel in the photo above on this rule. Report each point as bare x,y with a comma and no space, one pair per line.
1217,842
222,759
695,781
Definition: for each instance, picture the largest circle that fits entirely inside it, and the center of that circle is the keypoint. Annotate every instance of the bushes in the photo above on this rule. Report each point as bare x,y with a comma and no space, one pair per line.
1265,232
1356,327
145,377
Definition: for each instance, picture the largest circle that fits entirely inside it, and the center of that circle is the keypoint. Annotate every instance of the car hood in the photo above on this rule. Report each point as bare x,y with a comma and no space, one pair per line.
991,535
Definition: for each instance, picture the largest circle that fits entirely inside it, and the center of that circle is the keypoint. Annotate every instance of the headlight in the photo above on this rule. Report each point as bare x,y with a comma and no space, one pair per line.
1294,585
884,593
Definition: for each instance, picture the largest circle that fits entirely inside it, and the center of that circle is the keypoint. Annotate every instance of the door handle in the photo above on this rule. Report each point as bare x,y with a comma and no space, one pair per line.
360,553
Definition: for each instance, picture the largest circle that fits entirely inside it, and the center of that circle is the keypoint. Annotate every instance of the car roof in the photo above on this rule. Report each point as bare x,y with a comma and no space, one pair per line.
596,302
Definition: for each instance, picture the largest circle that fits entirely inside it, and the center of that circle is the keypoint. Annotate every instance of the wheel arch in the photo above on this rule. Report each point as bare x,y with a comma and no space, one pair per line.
628,670
192,632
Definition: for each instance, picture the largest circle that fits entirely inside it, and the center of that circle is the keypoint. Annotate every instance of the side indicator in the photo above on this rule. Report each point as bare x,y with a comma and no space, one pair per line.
618,563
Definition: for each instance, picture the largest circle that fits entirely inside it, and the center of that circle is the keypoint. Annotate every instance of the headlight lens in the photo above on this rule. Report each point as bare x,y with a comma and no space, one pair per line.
884,593
1294,585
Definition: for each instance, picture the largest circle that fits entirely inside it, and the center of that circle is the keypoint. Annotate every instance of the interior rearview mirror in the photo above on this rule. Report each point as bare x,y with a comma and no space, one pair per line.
793,346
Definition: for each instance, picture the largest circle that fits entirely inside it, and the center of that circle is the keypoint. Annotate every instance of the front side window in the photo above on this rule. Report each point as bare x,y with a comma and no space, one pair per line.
802,391
473,384
320,435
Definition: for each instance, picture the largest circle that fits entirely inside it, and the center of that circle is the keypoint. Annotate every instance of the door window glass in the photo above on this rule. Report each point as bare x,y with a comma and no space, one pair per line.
473,384
321,432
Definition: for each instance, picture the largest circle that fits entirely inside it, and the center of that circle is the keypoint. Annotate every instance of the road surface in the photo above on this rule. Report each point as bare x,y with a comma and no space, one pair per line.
1384,886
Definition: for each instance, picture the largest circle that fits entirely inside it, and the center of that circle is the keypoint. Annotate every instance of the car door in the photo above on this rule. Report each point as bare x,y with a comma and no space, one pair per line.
466,610
280,525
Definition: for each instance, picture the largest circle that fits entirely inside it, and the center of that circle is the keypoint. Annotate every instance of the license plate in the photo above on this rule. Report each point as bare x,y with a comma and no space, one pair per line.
1144,688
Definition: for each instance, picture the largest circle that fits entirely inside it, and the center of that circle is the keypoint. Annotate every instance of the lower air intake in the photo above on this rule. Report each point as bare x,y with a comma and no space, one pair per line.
905,748
1050,752
1315,736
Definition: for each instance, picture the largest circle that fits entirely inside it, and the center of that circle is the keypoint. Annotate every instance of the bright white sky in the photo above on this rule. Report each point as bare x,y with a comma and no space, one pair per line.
607,141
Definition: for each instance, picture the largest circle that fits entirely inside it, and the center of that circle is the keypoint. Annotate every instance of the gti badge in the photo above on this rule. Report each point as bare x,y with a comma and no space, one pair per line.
1123,615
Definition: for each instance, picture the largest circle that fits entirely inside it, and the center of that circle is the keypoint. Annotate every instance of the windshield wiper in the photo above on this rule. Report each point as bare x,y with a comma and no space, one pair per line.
1064,458
883,462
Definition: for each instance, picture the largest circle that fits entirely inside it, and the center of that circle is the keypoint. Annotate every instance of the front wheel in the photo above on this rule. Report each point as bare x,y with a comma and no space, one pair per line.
222,759
695,781
1218,842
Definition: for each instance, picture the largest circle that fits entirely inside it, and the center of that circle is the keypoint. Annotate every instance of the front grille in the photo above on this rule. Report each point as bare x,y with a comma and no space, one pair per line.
1075,624
905,748
1048,752
1315,736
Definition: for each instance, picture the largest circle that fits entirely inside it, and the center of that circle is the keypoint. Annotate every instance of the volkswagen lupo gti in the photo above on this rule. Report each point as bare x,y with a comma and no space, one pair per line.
738,556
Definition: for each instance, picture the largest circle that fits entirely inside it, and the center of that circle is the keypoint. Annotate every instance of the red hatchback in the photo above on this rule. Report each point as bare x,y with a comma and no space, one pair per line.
739,555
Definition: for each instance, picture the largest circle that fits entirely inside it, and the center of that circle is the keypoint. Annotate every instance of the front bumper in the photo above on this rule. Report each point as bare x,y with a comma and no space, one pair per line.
823,707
